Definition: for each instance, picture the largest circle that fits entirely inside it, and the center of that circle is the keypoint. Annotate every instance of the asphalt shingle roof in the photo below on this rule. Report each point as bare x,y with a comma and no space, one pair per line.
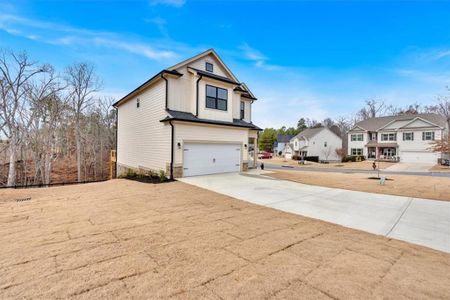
373,124
188,117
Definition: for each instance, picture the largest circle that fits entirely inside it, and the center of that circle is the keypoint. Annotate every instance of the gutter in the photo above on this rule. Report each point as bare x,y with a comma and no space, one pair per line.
196,107
171,150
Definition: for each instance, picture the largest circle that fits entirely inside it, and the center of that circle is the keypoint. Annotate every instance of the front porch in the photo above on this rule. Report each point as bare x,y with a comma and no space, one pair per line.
388,152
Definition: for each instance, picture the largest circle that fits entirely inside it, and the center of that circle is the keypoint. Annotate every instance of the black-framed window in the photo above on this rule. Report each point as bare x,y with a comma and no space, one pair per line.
408,136
428,135
209,67
242,110
216,98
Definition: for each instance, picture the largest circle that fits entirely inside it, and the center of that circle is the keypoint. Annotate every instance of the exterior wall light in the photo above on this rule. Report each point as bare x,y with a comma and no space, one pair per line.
179,145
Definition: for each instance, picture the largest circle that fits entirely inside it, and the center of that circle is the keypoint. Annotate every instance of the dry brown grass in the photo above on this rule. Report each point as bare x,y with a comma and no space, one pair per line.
366,165
440,168
427,187
123,239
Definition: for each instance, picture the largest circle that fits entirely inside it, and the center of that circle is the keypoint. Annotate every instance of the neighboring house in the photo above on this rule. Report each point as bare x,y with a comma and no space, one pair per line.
406,138
321,142
280,144
190,119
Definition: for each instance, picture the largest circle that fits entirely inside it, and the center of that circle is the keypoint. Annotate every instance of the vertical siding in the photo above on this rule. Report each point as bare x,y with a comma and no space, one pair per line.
182,91
217,69
143,141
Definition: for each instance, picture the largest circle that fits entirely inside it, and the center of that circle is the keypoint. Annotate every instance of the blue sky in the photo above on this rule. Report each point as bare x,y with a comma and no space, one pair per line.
313,59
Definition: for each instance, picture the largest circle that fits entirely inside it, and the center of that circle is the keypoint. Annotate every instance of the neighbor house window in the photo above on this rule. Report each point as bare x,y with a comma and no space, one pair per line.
357,137
209,67
408,136
428,136
356,151
388,136
242,110
216,98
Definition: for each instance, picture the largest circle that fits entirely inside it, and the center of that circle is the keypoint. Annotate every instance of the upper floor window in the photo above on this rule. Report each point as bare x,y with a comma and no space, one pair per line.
357,137
242,111
428,136
408,136
216,98
373,136
209,67
388,136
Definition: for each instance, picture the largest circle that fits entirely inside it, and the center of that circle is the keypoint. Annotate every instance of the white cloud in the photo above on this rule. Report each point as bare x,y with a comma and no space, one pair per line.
63,35
259,59
174,3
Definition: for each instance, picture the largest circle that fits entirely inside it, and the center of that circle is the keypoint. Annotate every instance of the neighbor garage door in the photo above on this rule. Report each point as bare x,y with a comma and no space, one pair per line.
419,157
205,158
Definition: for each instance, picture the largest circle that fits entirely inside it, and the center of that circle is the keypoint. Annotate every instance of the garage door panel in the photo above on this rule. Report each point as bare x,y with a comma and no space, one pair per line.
204,158
419,157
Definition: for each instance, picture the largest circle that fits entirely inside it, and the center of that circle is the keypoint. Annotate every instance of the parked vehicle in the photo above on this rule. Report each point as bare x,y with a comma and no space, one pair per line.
264,155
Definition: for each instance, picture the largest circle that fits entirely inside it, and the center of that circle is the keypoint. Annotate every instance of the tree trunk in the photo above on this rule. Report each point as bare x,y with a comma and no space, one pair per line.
12,162
78,142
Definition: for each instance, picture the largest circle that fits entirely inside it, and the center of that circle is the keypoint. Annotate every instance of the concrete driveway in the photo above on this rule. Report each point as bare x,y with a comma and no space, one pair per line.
410,167
419,221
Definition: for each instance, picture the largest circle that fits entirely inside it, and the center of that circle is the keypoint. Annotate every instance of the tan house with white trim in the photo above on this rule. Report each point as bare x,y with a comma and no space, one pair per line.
193,118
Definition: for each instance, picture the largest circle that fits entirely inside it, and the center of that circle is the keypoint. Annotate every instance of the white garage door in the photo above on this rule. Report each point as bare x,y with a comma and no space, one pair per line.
419,157
202,159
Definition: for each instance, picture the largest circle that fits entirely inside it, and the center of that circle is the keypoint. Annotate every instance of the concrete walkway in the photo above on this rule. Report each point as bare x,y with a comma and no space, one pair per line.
419,221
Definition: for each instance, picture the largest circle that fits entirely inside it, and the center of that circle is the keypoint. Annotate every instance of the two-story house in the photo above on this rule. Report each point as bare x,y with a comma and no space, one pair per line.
279,146
190,119
405,138
321,142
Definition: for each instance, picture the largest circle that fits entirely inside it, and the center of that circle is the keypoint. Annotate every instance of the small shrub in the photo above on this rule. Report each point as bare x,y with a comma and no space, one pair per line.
280,153
131,173
296,157
162,175
312,158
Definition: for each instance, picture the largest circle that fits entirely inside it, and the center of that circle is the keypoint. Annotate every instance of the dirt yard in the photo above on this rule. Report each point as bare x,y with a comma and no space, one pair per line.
366,165
123,239
437,188
440,168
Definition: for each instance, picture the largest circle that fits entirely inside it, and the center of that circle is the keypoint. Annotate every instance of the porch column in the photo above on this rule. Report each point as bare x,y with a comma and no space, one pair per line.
377,153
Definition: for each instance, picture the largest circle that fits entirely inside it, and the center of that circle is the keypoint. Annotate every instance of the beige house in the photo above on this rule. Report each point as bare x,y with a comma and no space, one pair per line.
193,118
405,138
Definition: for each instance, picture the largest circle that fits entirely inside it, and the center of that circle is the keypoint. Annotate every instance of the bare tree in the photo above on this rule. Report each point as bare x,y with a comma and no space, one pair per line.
372,109
442,107
17,76
82,83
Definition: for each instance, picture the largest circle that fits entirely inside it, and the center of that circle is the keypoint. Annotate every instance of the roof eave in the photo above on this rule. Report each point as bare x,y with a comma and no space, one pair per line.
145,84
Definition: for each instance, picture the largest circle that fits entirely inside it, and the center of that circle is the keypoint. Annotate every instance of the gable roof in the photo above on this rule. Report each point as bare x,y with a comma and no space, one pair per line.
246,93
205,53
309,132
374,124
284,138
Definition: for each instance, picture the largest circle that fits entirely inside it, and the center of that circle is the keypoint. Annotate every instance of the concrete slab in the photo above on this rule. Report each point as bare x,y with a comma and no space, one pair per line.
410,167
420,221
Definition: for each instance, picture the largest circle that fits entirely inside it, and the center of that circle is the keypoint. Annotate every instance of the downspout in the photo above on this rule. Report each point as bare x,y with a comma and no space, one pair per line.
167,90
117,136
196,107
171,150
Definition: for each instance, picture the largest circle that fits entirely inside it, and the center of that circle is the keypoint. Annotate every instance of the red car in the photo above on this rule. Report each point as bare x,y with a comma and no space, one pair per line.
264,155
